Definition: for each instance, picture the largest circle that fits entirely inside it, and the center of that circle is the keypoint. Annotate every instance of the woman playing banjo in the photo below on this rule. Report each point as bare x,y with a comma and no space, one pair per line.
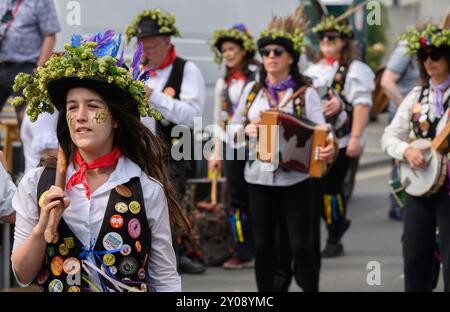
422,117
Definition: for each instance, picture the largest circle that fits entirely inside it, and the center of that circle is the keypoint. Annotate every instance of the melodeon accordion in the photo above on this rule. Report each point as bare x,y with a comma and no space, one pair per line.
292,141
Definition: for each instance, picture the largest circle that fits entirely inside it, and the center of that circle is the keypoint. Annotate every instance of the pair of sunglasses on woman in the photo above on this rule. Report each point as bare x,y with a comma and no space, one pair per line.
433,53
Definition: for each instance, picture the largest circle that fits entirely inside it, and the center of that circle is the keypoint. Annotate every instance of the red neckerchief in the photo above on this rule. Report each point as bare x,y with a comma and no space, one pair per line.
170,58
329,60
101,162
237,76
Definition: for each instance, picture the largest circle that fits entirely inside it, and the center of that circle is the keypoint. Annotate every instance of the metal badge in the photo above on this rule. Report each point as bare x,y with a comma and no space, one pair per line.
55,286
116,221
112,240
57,265
134,228
123,191
121,207
71,266
109,259
134,207
126,250
63,250
128,266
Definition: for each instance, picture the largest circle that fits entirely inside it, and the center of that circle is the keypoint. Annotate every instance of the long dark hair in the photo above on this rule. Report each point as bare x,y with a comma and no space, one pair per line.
424,77
141,146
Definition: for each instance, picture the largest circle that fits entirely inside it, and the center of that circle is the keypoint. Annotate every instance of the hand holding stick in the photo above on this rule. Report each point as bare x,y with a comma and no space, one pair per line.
51,233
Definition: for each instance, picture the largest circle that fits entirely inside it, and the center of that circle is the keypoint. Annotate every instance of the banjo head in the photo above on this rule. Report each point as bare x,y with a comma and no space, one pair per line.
422,180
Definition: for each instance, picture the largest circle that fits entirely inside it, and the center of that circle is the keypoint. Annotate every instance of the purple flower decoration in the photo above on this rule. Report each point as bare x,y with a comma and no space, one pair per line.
240,27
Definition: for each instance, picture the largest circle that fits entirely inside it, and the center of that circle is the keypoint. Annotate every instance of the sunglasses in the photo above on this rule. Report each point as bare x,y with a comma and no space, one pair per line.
434,54
330,37
276,51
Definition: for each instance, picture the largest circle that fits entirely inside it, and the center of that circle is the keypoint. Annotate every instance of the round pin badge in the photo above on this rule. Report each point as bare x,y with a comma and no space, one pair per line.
42,277
126,250
55,286
69,242
71,266
134,228
128,266
109,259
425,92
121,207
74,289
116,221
138,246
423,118
123,191
57,265
50,251
113,270
63,250
416,108
424,126
169,91
112,240
141,273
41,199
134,207
144,287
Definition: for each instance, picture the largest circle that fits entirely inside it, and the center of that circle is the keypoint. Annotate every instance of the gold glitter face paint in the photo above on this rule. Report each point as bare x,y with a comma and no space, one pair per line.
101,116
70,120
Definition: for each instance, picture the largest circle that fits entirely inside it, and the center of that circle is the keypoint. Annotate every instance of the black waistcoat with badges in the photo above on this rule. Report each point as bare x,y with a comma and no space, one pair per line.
172,89
338,85
421,123
125,228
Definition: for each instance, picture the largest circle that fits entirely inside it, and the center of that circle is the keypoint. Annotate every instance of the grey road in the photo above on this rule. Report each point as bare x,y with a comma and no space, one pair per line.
371,237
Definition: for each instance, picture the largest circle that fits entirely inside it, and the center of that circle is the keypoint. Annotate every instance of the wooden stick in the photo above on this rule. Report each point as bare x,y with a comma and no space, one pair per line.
51,231
214,187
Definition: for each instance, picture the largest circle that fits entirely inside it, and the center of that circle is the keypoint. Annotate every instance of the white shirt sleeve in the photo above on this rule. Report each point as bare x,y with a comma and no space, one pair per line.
313,106
395,136
162,265
359,84
191,102
7,189
218,89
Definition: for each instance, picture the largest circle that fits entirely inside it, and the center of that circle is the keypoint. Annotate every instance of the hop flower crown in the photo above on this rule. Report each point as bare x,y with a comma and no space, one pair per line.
166,23
91,56
431,36
330,23
238,32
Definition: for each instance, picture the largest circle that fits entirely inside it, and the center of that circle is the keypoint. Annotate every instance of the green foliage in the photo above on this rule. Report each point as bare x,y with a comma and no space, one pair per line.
246,39
82,63
166,23
329,23
297,37
431,36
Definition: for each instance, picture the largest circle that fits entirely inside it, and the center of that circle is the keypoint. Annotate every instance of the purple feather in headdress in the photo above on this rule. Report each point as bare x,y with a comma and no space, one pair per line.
137,58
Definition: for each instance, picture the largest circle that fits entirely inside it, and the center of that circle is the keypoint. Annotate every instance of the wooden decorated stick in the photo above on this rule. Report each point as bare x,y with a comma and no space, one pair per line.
51,232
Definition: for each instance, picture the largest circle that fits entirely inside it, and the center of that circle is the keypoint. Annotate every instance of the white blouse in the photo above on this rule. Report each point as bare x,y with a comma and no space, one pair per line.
257,172
358,87
192,96
397,133
38,136
7,189
85,217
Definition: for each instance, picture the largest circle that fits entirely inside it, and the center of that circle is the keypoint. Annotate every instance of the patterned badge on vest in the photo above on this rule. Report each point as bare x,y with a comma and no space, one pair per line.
169,91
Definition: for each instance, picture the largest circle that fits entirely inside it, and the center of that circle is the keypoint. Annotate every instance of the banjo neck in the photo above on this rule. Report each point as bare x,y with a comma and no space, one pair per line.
440,142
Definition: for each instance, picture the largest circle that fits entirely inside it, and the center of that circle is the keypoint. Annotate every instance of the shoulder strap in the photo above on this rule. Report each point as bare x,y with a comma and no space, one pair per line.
250,99
46,180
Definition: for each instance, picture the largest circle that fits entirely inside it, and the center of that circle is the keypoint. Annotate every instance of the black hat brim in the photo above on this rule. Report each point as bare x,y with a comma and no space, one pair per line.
284,42
150,28
113,95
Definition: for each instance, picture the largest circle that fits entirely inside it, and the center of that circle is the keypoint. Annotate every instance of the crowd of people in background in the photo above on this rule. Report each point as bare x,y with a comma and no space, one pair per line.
123,224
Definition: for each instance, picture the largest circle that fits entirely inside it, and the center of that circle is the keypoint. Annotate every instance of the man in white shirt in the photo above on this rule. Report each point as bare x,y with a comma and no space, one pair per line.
176,88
